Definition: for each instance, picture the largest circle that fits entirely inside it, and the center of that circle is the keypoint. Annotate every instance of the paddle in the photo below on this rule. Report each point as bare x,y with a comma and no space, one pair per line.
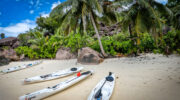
98,94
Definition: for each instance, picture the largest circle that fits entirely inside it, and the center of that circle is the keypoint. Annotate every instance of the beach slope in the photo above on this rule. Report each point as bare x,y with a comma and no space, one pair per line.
146,77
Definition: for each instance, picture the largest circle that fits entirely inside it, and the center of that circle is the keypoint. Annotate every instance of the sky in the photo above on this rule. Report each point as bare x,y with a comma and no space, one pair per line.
18,16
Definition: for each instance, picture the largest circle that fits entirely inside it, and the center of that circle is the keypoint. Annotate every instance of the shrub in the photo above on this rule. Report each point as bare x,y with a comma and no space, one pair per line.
27,52
178,51
23,39
172,40
114,44
46,47
75,41
155,51
5,47
147,43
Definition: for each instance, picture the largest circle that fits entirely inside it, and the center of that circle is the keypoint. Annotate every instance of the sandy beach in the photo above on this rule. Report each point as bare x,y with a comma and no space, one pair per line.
146,77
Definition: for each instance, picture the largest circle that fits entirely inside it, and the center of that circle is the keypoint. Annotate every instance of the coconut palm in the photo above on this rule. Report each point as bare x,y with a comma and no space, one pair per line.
174,5
143,16
109,16
79,13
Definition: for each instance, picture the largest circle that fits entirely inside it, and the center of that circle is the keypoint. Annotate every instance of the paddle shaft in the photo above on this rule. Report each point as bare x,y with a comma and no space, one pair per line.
98,93
97,96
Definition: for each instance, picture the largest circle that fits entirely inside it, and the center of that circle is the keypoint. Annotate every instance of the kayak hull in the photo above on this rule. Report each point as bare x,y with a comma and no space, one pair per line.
54,89
17,68
106,89
54,75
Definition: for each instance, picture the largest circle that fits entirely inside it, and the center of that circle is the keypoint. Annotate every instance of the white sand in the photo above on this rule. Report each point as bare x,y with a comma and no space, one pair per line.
147,77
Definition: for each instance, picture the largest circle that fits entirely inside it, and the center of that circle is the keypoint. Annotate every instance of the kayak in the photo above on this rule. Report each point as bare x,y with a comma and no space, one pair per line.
53,75
16,68
103,89
57,88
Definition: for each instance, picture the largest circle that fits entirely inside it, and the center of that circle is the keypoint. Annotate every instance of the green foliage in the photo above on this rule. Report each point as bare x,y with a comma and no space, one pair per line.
23,39
172,38
114,44
147,42
75,41
178,51
73,28
5,47
171,41
121,43
143,16
38,46
174,5
47,23
46,47
2,35
29,35
155,51
29,52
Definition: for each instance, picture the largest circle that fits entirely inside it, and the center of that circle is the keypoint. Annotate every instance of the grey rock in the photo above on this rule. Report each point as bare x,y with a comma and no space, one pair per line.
8,41
89,56
64,53
10,54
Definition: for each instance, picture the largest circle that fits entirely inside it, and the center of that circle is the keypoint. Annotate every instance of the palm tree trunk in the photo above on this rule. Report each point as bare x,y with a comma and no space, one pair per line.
97,34
130,31
155,36
84,25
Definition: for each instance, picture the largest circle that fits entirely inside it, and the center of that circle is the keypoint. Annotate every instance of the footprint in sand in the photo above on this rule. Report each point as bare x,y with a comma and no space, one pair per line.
159,79
178,83
169,78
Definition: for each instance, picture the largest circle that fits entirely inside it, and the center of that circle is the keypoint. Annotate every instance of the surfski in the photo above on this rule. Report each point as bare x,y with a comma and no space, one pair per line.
16,68
54,75
104,89
55,89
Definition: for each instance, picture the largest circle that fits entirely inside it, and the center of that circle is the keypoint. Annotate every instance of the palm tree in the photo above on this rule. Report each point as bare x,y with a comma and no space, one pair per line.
174,5
109,15
38,38
74,13
143,16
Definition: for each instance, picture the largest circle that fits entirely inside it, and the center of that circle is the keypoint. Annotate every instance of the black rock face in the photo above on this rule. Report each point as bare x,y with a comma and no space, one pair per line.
8,41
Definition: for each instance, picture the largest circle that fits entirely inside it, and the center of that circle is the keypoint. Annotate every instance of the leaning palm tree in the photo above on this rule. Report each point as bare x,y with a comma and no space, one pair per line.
77,13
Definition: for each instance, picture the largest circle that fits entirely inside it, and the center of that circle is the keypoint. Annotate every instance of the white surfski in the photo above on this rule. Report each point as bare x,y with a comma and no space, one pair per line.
54,89
103,89
53,75
16,68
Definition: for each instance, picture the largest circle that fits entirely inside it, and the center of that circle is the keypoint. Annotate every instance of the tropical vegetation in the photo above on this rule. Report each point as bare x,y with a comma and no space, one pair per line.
146,26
